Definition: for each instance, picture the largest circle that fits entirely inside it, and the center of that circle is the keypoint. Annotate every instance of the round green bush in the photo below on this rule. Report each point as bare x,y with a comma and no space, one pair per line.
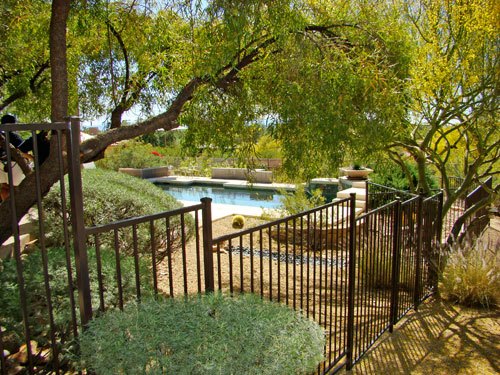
110,196
211,334
238,221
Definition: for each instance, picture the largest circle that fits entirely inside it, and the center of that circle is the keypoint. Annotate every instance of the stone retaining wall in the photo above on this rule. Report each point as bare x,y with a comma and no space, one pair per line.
257,175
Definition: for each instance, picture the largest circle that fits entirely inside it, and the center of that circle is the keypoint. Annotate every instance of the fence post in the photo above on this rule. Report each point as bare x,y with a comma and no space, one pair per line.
396,252
351,286
78,226
208,260
418,268
367,197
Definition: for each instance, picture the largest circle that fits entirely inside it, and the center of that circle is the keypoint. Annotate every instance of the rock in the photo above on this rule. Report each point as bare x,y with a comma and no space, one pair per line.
22,355
220,247
44,356
16,370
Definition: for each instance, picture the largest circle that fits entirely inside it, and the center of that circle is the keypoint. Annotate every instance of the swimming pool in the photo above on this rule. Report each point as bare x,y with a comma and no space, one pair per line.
219,194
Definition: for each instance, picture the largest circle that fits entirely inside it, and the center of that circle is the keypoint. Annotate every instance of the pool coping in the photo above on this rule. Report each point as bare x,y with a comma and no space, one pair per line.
236,184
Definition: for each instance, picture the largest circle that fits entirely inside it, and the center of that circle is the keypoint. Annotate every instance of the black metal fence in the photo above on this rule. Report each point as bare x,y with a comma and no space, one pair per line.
379,195
355,276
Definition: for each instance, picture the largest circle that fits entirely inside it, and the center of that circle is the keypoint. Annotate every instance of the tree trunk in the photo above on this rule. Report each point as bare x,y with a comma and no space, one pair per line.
116,117
58,62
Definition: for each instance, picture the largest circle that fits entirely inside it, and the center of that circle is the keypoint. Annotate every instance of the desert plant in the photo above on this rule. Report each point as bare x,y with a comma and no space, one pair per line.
471,275
111,196
300,200
131,154
33,271
238,221
211,334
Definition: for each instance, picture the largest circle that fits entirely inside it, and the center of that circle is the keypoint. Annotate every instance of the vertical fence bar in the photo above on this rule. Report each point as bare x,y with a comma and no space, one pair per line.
3,362
367,196
75,185
395,263
208,261
418,256
350,296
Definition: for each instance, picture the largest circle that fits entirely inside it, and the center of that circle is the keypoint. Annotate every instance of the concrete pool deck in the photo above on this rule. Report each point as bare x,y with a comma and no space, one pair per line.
220,211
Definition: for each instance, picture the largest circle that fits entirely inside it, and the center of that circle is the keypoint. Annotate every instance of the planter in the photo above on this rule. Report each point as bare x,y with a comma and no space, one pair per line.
356,174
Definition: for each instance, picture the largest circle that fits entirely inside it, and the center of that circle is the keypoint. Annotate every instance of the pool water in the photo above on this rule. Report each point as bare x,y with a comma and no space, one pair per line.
222,195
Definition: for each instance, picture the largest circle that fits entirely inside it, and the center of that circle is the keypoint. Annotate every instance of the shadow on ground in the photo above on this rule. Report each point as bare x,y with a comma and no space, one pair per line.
438,339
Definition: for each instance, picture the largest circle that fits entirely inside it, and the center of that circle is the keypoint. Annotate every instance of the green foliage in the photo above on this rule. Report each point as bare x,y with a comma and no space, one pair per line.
323,93
238,221
24,56
37,304
161,138
392,175
268,147
111,196
300,200
471,275
209,334
131,154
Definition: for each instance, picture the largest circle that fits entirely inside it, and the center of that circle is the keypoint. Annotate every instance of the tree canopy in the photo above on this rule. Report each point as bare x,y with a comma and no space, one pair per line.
454,107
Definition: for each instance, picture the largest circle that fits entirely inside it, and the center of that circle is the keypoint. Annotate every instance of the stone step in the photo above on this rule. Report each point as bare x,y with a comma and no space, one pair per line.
26,226
360,193
8,246
359,204
361,184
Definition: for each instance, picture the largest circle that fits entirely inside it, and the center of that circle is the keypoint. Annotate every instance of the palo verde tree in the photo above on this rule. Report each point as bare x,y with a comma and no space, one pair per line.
322,69
453,118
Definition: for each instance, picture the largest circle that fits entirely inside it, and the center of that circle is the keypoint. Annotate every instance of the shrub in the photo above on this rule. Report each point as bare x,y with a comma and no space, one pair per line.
300,200
11,312
209,334
238,221
392,175
111,196
131,154
471,275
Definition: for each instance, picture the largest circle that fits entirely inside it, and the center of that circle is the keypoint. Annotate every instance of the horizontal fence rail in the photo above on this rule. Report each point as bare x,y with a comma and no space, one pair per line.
379,195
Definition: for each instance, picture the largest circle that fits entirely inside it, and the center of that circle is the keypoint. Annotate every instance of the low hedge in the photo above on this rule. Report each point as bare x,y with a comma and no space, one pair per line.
211,334
110,196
